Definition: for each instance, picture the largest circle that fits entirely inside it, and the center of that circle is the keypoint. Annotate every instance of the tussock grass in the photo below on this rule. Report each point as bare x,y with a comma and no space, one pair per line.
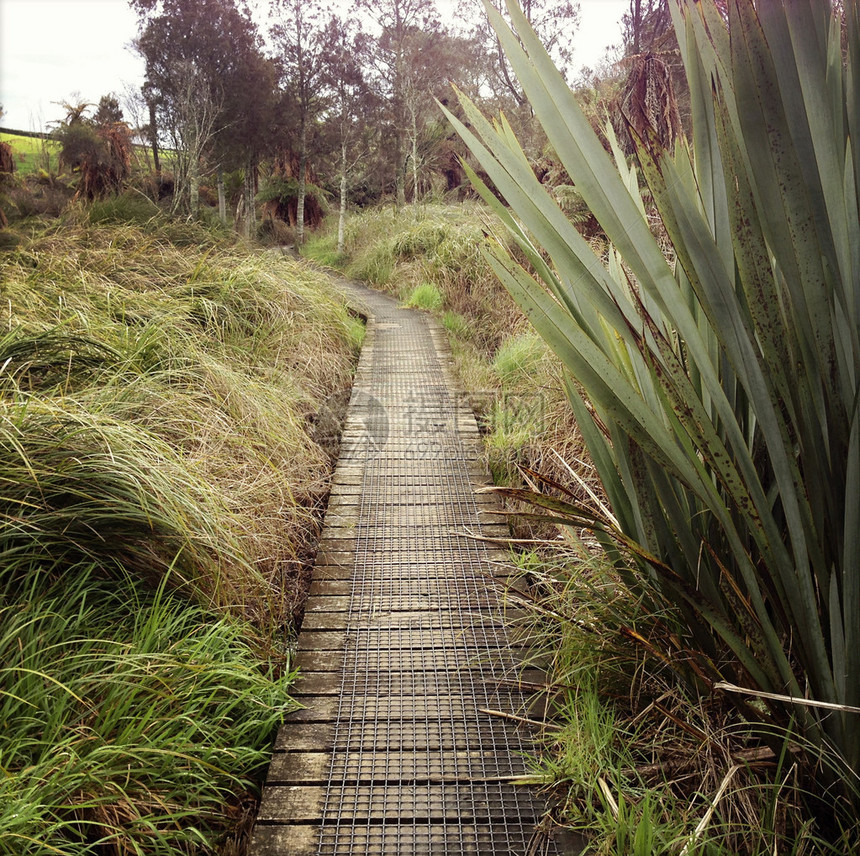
198,370
159,388
425,296
322,248
129,207
456,325
519,356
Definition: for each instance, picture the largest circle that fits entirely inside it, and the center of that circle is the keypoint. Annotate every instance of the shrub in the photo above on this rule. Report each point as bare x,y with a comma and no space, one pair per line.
99,155
151,395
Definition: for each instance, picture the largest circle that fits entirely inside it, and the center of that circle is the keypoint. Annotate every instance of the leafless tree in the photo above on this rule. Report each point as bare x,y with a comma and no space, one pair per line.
195,107
135,107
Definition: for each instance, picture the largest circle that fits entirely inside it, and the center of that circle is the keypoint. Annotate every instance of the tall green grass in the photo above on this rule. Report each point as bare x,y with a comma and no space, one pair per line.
132,721
425,296
519,356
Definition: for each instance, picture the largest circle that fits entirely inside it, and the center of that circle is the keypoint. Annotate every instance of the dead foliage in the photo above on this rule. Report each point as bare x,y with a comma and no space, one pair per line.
282,201
7,159
451,168
7,167
100,156
647,101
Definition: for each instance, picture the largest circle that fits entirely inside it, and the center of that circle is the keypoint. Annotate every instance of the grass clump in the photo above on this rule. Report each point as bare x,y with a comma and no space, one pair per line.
129,207
519,357
133,722
375,266
425,296
515,424
322,248
456,325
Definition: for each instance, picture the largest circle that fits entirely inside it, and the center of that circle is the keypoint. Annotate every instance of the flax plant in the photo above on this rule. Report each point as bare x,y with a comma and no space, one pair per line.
717,388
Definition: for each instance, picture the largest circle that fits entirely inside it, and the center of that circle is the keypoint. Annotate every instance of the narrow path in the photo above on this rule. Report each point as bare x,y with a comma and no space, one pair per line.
402,650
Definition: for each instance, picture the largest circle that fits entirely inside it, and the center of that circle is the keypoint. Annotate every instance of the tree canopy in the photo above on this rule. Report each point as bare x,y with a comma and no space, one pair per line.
308,89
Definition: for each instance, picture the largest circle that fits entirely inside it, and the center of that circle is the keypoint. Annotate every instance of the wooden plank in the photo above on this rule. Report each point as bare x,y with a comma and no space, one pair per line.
340,620
325,708
322,587
365,767
306,737
434,802
291,840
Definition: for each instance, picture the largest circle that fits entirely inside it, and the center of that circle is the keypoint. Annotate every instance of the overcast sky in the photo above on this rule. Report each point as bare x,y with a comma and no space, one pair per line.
59,50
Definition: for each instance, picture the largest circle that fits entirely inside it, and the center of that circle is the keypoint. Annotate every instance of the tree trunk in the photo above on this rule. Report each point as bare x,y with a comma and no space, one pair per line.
250,208
239,216
341,219
400,169
246,222
194,186
637,26
179,204
153,139
222,199
414,158
300,202
398,104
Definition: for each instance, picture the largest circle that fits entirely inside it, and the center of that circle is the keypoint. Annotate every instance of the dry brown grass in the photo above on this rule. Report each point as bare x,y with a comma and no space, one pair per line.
225,356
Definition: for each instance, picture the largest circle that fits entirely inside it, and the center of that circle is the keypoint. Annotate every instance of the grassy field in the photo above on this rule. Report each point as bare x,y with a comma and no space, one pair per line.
163,470
32,154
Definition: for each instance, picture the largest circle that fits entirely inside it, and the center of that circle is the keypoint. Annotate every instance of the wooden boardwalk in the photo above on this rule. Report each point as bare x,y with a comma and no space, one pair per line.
402,651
